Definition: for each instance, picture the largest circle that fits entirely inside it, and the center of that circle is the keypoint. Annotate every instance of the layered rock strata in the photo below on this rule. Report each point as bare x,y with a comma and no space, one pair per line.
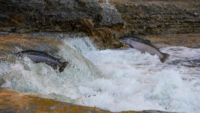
159,17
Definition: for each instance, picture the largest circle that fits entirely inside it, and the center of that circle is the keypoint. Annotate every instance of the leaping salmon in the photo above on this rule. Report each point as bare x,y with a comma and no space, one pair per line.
143,46
42,57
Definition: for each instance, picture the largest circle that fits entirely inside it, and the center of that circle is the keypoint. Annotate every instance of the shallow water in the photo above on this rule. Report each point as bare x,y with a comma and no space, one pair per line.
115,80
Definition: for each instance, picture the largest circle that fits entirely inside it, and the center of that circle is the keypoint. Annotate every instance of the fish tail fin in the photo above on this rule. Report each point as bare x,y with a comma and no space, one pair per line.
166,56
64,64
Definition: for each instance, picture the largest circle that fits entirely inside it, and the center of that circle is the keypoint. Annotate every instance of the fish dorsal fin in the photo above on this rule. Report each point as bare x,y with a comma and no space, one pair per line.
148,41
39,52
143,40
47,51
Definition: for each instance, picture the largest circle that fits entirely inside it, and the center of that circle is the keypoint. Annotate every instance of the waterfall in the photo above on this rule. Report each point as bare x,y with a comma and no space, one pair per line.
27,76
107,1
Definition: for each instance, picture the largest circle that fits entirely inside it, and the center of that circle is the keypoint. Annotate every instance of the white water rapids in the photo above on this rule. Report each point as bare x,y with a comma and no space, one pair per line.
128,80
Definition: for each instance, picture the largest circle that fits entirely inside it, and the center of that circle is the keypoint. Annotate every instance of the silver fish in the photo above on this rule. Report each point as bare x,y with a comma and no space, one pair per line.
143,46
42,57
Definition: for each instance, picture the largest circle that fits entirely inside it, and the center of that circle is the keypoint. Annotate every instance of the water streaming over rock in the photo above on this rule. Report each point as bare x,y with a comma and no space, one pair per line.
107,1
26,76
116,80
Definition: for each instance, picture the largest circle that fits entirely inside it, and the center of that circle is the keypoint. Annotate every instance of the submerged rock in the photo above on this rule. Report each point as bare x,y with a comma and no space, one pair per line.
187,63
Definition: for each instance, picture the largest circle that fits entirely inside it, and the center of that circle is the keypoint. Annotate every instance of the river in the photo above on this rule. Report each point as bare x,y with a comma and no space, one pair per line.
115,80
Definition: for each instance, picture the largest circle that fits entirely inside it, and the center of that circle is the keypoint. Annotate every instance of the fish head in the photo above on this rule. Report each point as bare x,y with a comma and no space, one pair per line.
19,54
124,40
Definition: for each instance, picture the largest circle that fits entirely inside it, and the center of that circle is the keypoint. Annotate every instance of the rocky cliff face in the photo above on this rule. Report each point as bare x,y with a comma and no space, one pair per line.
159,17
55,15
101,21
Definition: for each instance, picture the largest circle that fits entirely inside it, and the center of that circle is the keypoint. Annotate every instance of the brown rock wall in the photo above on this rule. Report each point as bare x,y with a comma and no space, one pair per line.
163,17
56,15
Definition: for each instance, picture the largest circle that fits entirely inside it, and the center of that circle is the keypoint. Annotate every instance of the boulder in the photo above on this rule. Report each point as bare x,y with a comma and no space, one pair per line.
110,16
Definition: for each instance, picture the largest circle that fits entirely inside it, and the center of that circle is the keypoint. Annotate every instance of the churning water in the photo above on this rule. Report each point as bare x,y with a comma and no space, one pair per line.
115,80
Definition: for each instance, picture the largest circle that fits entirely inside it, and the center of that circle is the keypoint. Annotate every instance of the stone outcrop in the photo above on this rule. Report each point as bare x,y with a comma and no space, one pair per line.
110,16
55,15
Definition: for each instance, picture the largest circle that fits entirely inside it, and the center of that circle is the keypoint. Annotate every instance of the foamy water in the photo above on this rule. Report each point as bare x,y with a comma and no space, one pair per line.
128,80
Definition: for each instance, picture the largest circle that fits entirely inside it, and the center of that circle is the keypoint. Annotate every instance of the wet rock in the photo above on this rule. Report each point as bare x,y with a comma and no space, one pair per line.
12,101
103,38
